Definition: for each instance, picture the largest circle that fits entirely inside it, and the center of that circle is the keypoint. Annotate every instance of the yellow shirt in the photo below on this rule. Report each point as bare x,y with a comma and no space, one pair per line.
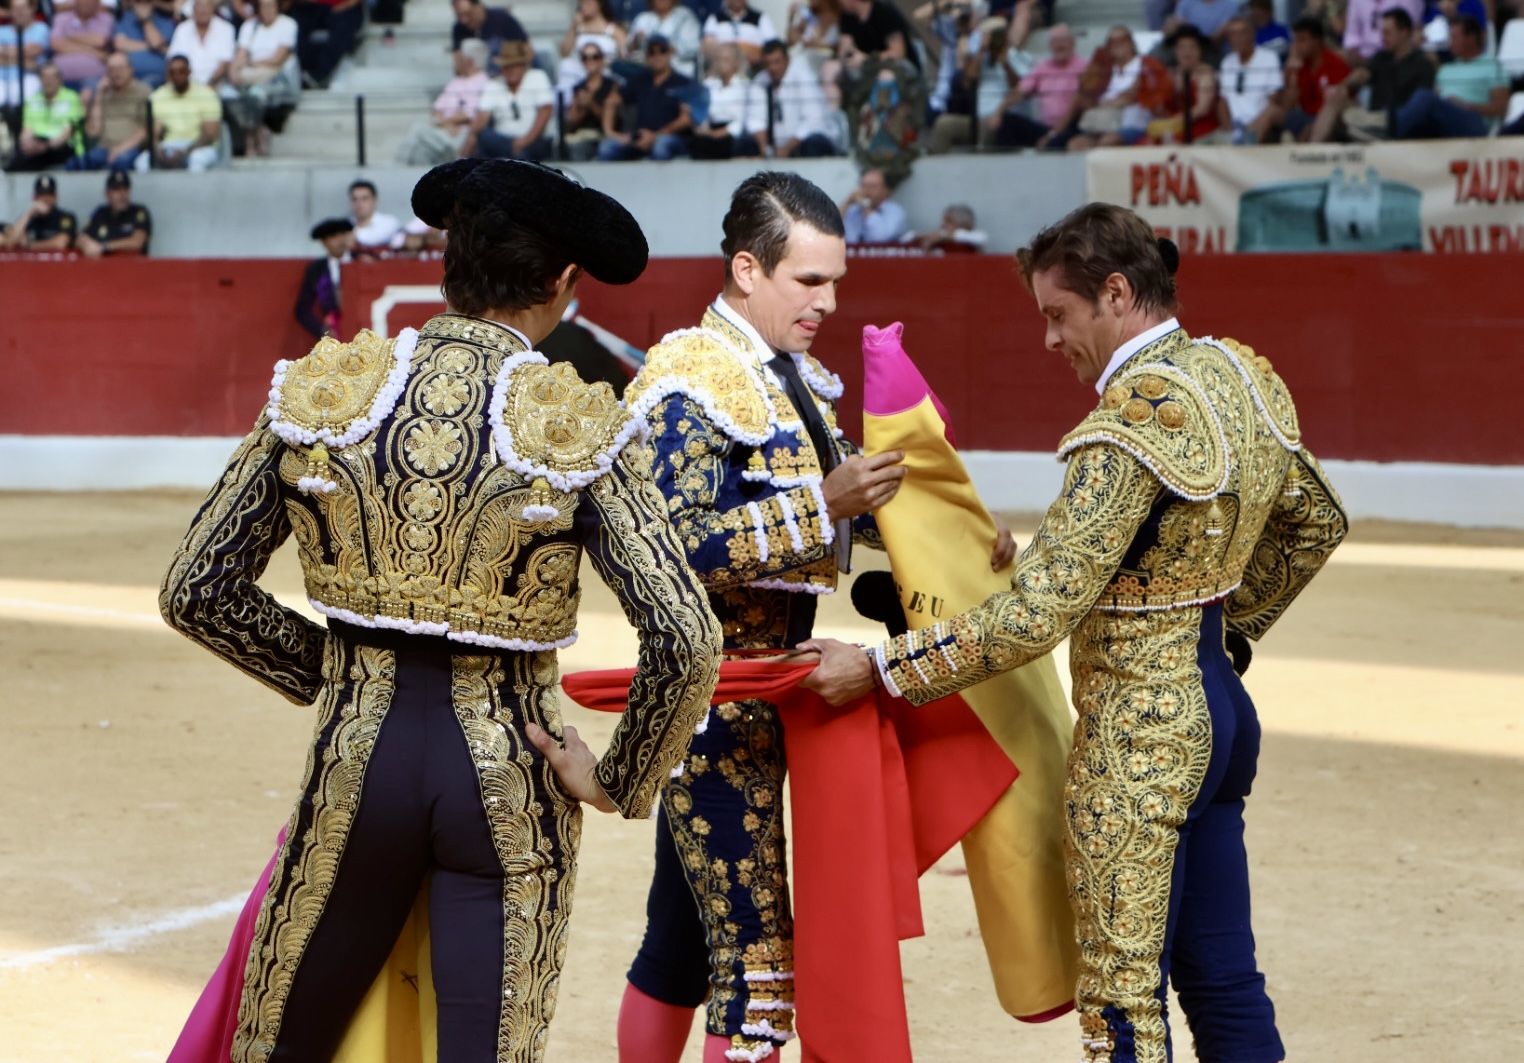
183,115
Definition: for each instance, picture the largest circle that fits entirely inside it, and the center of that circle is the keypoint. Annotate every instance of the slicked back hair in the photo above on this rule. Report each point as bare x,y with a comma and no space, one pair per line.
763,211
1090,244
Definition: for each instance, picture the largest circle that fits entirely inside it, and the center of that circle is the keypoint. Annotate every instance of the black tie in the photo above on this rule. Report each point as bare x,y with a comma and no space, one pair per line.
808,412
820,435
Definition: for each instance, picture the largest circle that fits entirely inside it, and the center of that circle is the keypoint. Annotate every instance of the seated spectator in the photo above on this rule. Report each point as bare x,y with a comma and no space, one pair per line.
1434,34
1393,75
265,75
1268,33
442,137
662,117
869,215
801,123
513,117
1251,85
677,23
582,130
372,229
950,25
745,27
1469,97
116,128
1135,86
1055,84
42,226
592,23
814,29
988,66
957,233
80,41
327,32
1193,101
26,37
208,44
1210,17
737,122
317,301
1311,71
52,124
474,20
143,35
1362,25
875,29
187,119
119,226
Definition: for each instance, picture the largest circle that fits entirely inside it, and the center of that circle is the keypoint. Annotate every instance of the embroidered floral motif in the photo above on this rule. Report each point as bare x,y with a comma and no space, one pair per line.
433,446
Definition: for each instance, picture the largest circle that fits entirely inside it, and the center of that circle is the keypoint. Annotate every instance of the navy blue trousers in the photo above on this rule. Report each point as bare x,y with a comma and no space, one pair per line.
1209,944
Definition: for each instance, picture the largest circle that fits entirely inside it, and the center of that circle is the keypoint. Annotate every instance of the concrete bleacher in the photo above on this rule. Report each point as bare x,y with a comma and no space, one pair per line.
399,72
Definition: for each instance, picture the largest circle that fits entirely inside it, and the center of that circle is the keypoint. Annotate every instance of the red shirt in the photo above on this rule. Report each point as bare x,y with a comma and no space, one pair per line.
1312,82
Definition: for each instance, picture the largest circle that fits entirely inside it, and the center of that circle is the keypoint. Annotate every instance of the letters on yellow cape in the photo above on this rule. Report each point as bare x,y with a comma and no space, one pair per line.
935,530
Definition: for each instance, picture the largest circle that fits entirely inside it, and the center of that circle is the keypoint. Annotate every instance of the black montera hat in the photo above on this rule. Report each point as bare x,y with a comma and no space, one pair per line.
332,227
593,230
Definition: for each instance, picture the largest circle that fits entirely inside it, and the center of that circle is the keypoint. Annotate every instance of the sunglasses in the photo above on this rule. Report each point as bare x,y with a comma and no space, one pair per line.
592,57
657,49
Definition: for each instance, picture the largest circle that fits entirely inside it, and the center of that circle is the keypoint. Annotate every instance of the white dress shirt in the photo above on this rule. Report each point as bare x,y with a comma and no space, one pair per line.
1132,347
205,54
741,105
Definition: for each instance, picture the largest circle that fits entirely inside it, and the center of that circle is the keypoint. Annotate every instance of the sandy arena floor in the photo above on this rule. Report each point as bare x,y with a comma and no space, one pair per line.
143,782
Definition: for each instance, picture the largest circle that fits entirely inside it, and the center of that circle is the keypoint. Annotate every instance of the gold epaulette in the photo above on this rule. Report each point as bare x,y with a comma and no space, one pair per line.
340,392
1161,418
1270,393
702,365
548,423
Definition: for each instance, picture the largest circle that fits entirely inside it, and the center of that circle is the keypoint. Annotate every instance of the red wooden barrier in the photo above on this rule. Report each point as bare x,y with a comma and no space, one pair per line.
1391,357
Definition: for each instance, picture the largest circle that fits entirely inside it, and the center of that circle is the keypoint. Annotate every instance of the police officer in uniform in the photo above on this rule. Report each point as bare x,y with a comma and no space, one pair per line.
42,226
119,226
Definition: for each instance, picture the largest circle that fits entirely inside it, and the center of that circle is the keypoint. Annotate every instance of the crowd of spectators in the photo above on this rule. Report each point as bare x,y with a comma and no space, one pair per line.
80,78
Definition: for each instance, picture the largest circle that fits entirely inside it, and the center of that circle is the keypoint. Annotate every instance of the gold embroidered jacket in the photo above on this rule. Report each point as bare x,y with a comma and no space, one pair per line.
446,483
740,474
1187,485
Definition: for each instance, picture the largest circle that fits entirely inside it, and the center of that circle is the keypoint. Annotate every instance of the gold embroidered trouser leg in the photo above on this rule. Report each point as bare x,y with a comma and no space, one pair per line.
419,768
1142,748
724,810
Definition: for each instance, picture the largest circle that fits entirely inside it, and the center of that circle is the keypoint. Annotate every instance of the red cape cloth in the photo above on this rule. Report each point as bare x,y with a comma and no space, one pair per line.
880,791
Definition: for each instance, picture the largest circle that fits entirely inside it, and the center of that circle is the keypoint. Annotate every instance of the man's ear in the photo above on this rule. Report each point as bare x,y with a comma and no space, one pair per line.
568,278
746,271
1116,294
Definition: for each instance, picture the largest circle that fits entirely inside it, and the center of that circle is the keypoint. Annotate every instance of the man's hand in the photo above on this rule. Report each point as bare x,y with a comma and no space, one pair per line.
573,764
644,139
862,484
1005,548
845,671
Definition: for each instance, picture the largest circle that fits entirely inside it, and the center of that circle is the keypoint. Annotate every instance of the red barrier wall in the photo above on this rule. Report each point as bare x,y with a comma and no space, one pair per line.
1391,357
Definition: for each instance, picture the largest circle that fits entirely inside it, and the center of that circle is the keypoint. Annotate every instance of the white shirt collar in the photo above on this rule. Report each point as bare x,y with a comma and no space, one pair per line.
760,347
1132,347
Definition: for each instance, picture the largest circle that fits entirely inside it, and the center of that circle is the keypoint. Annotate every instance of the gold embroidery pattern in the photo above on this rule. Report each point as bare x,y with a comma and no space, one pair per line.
355,702
210,594
636,552
754,768
1141,751
701,367
425,528
1158,413
535,829
1057,579
1303,529
559,421
336,384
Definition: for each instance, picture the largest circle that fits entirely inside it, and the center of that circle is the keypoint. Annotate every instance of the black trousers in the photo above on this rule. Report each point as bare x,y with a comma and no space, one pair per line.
420,771
327,36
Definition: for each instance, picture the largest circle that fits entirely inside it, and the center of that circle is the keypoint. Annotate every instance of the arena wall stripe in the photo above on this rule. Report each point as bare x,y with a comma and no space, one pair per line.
1013,481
